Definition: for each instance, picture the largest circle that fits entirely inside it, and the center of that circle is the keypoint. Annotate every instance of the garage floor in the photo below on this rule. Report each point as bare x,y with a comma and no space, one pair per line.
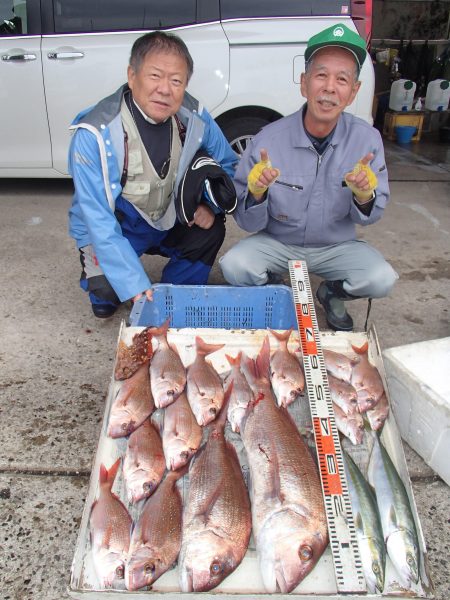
56,361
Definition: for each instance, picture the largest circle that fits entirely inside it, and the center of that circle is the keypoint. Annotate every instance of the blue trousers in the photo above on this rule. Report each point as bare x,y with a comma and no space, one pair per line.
191,252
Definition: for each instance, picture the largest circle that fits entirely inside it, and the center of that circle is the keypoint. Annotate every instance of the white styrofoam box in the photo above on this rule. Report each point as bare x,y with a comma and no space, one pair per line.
419,389
245,583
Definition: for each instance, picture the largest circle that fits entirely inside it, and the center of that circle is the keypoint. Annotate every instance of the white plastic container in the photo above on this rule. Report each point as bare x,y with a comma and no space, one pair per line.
419,390
402,95
438,95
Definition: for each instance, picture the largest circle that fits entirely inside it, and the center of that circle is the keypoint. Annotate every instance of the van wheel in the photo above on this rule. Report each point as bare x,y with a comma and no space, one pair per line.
241,130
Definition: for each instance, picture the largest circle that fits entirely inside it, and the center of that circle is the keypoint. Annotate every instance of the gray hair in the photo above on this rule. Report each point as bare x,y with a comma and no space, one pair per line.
158,41
308,66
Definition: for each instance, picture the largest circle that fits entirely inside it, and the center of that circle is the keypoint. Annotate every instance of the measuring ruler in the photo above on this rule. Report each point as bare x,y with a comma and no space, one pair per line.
341,528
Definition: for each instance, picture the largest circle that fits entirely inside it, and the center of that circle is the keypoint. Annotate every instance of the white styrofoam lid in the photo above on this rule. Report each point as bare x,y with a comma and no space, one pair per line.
429,362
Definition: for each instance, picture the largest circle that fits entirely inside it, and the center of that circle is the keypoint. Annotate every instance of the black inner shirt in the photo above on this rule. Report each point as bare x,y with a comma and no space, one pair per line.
156,137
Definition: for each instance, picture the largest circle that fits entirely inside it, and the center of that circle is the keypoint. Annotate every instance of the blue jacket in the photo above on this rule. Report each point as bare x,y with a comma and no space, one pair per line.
309,205
96,158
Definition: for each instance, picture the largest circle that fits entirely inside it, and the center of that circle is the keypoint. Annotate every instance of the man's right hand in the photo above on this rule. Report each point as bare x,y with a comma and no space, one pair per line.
147,293
261,176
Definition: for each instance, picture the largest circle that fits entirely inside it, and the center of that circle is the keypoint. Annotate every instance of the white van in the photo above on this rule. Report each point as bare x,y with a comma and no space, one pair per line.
61,56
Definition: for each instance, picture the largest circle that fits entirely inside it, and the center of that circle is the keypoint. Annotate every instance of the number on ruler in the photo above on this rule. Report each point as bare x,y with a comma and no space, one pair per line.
341,528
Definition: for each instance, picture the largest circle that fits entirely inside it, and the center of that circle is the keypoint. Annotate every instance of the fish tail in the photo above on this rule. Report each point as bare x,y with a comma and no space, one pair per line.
107,476
263,359
236,361
249,364
203,348
161,330
361,350
174,476
222,418
282,337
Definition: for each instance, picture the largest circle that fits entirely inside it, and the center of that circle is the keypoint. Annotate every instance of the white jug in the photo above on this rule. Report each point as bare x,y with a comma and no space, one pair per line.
438,95
402,95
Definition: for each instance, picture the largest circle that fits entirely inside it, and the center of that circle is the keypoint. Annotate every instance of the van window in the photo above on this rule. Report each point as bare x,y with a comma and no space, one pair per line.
13,17
233,9
85,16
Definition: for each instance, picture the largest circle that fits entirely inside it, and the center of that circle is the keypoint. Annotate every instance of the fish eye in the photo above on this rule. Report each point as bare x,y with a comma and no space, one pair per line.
410,560
375,568
147,486
213,411
215,568
149,569
120,572
124,426
305,553
184,455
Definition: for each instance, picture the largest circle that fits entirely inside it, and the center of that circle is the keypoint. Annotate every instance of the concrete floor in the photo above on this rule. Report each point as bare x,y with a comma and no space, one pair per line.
56,361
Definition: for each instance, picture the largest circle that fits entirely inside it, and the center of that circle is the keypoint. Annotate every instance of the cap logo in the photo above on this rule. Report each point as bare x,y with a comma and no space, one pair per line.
338,32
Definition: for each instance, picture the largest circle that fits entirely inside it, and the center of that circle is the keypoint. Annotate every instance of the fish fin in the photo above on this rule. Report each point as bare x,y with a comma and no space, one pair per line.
393,517
236,361
103,474
203,348
211,501
361,350
174,348
358,522
249,364
112,472
172,476
282,336
157,420
205,503
161,330
263,359
122,347
178,473
222,418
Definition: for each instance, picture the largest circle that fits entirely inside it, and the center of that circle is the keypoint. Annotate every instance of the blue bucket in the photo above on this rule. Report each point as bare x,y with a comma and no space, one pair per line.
405,133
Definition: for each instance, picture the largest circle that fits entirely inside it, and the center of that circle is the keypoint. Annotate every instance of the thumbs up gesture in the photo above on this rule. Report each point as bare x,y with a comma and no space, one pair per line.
362,180
261,176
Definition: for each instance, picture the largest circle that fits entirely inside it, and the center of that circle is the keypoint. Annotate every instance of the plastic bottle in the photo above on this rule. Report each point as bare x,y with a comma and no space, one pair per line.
438,95
402,95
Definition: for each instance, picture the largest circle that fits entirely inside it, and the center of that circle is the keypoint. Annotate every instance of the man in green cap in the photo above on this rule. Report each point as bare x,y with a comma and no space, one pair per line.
327,174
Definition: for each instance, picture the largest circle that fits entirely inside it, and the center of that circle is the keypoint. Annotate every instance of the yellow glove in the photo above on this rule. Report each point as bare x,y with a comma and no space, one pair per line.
362,166
256,172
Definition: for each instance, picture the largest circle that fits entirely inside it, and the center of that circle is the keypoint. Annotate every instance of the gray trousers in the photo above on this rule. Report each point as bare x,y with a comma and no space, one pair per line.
364,271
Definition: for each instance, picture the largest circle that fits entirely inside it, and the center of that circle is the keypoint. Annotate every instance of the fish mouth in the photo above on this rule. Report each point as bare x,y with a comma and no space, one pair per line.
179,460
186,580
283,585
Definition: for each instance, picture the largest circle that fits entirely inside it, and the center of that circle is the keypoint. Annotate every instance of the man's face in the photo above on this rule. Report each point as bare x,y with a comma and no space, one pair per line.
158,85
329,86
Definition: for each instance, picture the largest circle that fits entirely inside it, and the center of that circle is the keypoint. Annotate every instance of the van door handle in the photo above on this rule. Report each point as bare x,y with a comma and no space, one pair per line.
64,55
15,57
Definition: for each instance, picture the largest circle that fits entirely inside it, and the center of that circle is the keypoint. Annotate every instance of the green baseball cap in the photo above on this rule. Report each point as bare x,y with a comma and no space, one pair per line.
338,35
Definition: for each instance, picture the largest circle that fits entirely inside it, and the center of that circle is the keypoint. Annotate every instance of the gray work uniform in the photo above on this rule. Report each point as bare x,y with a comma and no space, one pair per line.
309,213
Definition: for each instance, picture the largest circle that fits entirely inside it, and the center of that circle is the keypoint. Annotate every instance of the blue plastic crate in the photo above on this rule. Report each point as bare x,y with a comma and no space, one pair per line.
219,306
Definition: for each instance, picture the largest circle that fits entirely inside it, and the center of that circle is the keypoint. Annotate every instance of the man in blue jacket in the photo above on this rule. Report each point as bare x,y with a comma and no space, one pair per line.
307,207
127,158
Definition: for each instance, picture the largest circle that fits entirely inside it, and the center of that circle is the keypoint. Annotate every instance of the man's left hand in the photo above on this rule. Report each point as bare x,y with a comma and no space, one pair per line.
362,180
203,217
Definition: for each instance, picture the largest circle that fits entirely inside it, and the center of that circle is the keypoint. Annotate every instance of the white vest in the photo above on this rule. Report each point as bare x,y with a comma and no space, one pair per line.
144,188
